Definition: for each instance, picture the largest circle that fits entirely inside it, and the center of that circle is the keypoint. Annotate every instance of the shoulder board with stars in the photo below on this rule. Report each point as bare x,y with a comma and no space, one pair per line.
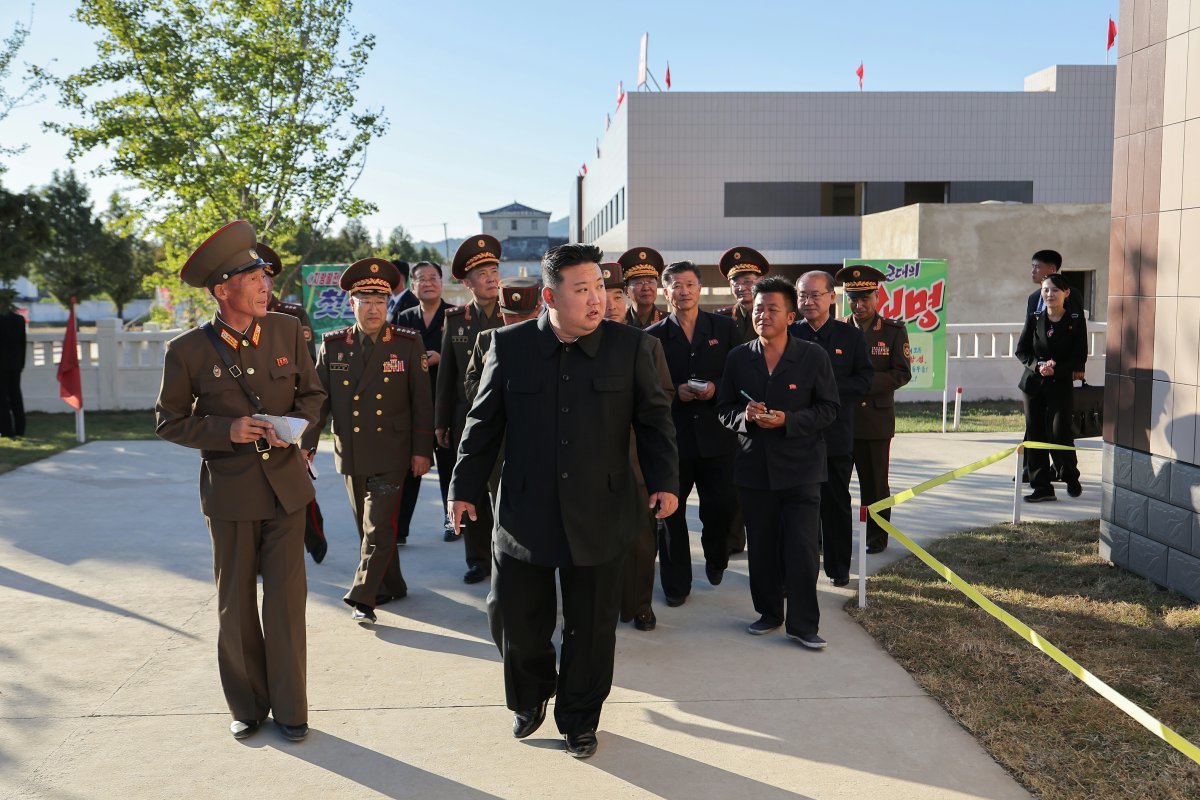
895,323
725,310
290,308
340,332
455,311
407,333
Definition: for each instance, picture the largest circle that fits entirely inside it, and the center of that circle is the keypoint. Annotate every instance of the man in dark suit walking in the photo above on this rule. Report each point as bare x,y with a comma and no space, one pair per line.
12,362
563,392
402,297
847,351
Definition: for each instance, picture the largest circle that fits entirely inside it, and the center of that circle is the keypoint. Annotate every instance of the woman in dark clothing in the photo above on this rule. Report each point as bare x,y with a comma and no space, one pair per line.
1053,346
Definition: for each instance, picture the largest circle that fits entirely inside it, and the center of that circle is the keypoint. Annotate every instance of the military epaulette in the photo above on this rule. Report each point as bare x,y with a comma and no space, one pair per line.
895,323
340,332
455,311
290,308
1074,316
407,333
725,310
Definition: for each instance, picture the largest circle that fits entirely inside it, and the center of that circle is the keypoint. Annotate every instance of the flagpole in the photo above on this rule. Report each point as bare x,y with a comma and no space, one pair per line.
80,432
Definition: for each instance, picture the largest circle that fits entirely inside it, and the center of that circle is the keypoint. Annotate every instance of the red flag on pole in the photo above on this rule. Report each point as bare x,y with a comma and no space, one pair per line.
1112,33
620,93
668,76
70,387
859,73
583,171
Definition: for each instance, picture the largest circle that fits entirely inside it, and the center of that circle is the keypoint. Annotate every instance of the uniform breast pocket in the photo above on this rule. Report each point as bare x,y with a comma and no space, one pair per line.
283,371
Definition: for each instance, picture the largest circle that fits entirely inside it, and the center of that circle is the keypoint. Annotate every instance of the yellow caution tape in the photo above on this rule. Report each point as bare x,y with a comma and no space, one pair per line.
1024,631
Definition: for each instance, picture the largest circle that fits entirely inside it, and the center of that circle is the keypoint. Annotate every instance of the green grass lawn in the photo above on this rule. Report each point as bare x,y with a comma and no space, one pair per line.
47,434
1055,735
985,416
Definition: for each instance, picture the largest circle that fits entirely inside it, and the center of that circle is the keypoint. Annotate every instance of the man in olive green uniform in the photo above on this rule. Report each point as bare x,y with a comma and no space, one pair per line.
314,520
520,300
642,267
875,413
253,483
377,378
743,267
477,265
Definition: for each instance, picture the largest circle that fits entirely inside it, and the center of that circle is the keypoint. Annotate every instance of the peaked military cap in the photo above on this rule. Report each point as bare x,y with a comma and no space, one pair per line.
274,262
641,262
519,295
739,260
228,252
614,275
475,251
370,275
860,279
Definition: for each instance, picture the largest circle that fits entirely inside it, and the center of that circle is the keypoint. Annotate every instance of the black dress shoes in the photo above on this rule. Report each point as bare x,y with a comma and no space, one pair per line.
645,620
241,728
363,613
294,733
1074,488
581,745
527,721
1041,496
715,576
841,580
475,574
874,549
319,550
676,602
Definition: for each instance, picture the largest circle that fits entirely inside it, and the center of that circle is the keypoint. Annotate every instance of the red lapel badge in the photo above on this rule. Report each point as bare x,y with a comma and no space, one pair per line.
791,386
281,361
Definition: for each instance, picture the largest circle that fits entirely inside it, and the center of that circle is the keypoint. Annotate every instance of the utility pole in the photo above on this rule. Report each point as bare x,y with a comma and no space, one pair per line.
446,242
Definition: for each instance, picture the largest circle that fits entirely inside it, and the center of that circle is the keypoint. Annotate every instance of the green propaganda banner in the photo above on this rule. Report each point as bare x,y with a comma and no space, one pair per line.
327,305
915,294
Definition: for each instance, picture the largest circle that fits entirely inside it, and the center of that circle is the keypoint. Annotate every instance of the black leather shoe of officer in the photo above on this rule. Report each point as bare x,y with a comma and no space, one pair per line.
363,613
676,602
241,728
449,535
841,580
581,745
645,620
872,549
527,721
715,576
318,552
294,733
475,574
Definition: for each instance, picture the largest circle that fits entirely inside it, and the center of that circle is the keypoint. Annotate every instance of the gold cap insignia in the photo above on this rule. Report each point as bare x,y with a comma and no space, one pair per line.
737,256
607,274
481,243
857,273
374,268
254,254
642,255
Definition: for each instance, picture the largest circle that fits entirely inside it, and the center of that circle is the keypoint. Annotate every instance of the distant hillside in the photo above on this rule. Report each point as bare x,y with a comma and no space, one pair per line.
558,228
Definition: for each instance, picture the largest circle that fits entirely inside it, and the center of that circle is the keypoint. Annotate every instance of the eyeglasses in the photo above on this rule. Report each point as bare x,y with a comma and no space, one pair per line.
428,279
811,297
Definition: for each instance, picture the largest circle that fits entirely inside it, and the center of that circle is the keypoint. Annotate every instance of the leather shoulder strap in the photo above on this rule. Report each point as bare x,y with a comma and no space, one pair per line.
233,368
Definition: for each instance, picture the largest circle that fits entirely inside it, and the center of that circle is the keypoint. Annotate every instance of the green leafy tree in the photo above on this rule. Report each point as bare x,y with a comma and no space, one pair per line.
225,109
69,264
128,257
22,226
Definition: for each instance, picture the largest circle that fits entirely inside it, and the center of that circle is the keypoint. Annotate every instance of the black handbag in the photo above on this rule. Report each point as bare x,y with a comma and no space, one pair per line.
1087,420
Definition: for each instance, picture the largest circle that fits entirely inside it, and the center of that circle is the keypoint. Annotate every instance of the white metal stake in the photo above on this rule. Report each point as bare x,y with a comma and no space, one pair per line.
1016,517
862,562
957,407
80,432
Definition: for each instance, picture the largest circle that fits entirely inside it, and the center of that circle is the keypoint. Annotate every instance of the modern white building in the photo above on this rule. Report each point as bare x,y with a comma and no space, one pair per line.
792,173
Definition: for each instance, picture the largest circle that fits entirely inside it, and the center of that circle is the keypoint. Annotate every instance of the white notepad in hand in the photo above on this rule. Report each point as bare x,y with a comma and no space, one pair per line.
290,429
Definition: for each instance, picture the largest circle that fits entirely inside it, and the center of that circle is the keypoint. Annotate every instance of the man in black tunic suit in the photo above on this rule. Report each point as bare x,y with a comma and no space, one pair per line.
563,392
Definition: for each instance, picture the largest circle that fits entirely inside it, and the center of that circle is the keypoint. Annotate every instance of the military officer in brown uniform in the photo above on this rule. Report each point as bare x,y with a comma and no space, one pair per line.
875,412
253,484
743,267
643,268
314,520
520,299
377,378
477,265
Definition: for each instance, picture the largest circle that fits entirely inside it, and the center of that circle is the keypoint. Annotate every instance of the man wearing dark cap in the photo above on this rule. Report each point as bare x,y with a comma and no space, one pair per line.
254,486
477,265
875,414
696,344
743,267
847,351
377,378
314,521
642,267
402,297
560,394
520,299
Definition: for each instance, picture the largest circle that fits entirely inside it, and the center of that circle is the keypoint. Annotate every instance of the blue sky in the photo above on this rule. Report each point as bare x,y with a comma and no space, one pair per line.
492,102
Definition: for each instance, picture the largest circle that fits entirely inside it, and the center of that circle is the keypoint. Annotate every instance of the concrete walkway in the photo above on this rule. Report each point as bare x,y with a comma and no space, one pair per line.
109,687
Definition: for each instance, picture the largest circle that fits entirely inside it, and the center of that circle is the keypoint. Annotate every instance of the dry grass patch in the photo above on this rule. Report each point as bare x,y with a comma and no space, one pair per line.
1055,735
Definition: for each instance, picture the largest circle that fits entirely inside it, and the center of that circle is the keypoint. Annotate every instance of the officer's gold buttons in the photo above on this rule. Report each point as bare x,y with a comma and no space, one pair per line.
379,430
356,429
356,412
266,456
249,370
386,379
245,342
379,412
356,398
345,383
378,397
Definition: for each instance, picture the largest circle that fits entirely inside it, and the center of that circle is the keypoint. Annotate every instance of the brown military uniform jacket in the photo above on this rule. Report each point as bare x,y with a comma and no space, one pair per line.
296,310
744,321
875,413
632,318
199,401
381,405
463,324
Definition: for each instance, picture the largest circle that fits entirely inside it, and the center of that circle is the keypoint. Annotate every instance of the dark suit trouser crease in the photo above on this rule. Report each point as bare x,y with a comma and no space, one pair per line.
871,458
637,574
781,529
713,481
12,404
262,666
522,609
374,500
477,534
1049,420
837,535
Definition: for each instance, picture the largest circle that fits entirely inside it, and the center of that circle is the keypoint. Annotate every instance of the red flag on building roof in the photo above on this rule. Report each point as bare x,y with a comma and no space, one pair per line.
1112,33
70,386
859,73
583,170
668,76
620,93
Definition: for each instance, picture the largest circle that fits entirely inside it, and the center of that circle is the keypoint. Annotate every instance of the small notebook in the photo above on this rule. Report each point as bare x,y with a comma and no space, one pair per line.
290,429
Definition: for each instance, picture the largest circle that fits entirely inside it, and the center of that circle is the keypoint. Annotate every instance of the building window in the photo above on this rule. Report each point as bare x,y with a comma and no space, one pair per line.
924,192
494,225
841,199
533,224
514,224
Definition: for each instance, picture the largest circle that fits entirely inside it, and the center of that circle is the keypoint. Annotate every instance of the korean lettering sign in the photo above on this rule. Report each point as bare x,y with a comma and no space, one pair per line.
915,294
327,305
